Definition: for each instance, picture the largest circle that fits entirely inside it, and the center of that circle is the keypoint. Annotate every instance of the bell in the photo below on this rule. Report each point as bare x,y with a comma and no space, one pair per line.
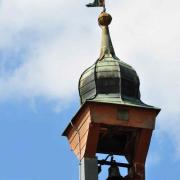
114,173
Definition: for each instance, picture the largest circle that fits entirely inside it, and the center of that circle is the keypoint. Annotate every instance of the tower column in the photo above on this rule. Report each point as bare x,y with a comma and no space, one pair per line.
141,149
89,169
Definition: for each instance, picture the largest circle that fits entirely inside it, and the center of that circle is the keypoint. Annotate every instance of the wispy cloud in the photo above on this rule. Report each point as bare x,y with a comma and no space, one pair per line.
54,54
46,44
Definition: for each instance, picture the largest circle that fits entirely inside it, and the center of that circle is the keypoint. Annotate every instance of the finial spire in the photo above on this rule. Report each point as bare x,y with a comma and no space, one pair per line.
104,20
107,49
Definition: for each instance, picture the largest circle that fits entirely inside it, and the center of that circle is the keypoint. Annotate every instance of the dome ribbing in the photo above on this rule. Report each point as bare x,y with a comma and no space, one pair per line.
109,79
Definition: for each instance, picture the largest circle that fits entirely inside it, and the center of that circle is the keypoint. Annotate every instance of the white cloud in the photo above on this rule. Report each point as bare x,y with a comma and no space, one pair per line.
62,38
55,58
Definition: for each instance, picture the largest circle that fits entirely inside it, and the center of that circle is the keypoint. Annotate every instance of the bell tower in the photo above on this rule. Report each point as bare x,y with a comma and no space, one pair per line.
112,118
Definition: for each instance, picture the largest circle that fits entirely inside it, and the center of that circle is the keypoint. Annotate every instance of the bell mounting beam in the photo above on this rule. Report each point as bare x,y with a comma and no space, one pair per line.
109,163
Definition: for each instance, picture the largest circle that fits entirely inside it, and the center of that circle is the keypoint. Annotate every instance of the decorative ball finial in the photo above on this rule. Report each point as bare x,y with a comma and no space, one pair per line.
104,19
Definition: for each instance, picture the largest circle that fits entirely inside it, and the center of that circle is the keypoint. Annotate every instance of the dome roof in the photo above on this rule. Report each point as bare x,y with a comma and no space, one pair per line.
109,79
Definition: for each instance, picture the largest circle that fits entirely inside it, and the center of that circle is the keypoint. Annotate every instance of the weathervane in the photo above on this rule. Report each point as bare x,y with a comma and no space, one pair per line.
98,3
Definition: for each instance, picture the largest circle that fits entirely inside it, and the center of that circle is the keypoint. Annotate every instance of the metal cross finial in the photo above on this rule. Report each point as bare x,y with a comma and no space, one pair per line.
98,3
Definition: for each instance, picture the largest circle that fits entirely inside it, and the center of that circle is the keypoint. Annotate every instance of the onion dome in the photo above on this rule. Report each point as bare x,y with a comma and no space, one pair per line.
109,79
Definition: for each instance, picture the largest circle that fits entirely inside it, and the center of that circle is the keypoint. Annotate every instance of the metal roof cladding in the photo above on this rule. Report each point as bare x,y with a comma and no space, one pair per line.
109,79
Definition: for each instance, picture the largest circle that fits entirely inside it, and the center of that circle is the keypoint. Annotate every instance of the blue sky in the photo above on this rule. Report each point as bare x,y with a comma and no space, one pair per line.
46,45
